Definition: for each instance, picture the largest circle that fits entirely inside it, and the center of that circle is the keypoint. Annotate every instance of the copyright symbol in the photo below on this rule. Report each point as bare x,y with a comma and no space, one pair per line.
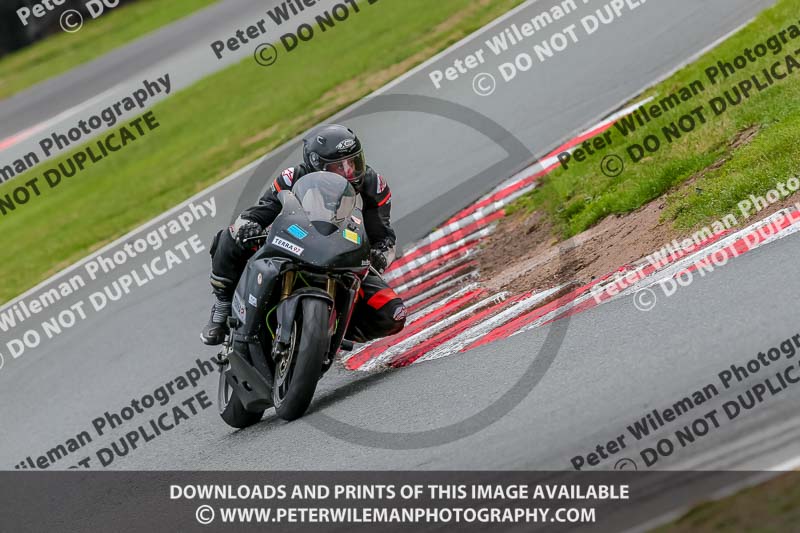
612,166
71,21
204,515
645,300
484,84
266,54
626,464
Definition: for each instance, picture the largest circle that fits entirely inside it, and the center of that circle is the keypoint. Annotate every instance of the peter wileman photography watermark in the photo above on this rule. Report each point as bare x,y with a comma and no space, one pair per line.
646,299
399,503
777,63
70,20
534,42
124,133
142,420
662,432
266,53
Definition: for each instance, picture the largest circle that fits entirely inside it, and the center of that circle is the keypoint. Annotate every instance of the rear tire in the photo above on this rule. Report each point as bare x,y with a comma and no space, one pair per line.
305,368
230,406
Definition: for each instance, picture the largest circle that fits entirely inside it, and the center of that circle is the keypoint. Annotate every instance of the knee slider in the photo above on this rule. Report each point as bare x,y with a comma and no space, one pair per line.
400,313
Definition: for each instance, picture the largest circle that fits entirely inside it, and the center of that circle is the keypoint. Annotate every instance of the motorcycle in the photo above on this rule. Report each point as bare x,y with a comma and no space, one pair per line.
293,302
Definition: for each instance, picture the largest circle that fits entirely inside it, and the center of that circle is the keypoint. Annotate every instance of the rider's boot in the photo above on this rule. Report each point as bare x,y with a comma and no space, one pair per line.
217,328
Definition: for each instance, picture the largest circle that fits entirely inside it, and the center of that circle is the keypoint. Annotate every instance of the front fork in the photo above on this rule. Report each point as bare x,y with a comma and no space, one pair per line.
288,285
330,287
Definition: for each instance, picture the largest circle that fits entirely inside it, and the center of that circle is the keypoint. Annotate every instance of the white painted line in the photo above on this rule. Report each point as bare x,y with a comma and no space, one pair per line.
671,269
553,314
787,466
422,313
445,231
444,250
419,315
453,265
466,338
417,264
441,288
468,220
438,304
429,332
29,132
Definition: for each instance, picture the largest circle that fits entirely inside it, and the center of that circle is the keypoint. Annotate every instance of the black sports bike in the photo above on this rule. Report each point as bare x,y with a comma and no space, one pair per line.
294,301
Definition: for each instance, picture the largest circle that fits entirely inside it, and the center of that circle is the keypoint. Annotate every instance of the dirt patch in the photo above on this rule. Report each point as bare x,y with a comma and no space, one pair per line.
742,138
260,137
745,137
523,255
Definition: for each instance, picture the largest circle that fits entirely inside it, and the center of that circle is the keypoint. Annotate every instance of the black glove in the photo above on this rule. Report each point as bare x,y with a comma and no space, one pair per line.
242,230
379,258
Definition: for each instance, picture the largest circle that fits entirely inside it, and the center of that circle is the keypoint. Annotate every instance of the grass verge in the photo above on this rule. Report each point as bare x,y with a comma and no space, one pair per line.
771,507
63,51
220,124
705,173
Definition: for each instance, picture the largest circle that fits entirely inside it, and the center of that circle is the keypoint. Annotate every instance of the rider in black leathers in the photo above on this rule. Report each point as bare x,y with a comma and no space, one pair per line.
379,310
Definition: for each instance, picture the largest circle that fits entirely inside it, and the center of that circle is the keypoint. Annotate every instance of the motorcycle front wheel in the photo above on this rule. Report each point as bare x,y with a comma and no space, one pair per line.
297,374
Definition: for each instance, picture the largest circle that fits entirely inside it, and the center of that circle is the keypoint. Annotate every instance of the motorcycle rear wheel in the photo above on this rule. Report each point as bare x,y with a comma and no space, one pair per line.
296,376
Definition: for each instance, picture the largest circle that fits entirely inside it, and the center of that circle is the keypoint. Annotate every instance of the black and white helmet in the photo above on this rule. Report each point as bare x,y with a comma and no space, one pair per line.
336,149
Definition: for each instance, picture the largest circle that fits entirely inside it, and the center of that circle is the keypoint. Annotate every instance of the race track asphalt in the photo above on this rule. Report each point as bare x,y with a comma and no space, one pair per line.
614,364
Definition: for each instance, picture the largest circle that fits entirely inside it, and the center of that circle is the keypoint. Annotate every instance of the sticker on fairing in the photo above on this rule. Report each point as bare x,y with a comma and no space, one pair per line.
352,236
356,219
288,246
297,232
253,301
239,309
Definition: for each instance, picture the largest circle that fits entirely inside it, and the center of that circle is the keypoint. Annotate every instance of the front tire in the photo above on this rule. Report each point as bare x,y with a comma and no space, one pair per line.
230,406
296,379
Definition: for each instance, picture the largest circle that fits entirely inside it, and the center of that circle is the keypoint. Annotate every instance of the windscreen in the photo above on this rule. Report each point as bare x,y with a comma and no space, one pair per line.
325,197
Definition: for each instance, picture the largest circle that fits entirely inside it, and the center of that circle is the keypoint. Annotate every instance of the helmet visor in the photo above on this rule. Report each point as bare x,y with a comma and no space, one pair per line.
351,168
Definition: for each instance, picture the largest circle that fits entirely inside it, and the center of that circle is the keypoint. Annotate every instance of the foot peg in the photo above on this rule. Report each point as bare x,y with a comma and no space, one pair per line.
221,359
347,346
